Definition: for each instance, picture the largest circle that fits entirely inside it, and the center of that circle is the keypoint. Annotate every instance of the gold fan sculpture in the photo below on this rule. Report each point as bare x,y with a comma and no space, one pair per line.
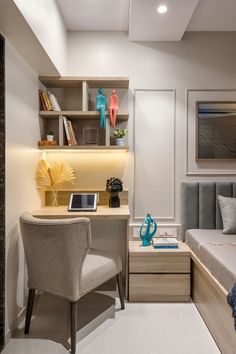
52,175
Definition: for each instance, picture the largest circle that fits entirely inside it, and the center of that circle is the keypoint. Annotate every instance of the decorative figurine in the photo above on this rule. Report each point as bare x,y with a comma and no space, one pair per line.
113,108
101,107
114,186
148,234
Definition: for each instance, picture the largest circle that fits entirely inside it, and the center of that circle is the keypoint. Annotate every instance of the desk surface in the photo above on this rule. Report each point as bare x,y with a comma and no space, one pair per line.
103,212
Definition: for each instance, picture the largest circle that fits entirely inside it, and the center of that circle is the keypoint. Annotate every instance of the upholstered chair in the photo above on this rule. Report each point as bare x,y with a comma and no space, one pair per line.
60,261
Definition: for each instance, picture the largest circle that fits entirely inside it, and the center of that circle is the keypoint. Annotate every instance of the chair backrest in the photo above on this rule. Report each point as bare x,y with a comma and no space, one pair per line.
55,250
199,205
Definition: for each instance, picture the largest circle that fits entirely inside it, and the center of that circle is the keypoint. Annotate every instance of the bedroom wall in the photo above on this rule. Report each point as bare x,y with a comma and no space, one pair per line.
44,18
22,134
202,60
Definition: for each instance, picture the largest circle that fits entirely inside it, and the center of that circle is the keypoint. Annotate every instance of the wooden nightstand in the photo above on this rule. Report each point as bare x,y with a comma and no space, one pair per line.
159,275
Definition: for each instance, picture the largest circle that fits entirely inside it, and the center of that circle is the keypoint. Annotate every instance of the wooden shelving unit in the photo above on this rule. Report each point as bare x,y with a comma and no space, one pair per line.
79,114
93,82
76,97
84,147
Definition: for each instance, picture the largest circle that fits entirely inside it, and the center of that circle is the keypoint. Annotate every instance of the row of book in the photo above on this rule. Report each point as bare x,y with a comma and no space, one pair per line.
69,130
165,242
48,102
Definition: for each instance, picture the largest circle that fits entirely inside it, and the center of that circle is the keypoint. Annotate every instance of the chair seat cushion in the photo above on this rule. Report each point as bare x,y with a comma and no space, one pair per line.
98,267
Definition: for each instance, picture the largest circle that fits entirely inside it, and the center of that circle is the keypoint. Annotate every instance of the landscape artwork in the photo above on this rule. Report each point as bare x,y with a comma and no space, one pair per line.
216,131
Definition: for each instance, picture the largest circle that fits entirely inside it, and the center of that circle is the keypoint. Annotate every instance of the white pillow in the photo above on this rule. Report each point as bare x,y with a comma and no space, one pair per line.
228,213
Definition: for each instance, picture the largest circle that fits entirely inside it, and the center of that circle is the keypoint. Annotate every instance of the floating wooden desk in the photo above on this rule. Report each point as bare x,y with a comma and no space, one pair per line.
103,213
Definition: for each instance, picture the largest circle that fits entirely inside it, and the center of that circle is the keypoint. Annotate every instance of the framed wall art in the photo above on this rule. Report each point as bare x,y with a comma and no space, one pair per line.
215,130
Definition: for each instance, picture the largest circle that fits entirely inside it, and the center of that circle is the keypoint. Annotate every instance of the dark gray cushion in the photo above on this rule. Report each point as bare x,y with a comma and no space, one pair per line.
228,213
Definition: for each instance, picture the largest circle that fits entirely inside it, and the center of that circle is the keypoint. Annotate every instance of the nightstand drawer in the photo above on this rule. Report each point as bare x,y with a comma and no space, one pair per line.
159,287
159,263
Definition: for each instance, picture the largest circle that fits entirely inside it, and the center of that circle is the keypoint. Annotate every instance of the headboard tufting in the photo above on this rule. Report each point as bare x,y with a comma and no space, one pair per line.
199,204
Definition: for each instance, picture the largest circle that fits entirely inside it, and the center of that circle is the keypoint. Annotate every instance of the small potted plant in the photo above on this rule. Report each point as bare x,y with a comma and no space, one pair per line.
114,186
119,134
50,136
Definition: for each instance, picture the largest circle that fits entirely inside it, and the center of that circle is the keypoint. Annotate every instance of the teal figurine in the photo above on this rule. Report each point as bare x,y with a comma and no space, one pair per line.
148,234
101,107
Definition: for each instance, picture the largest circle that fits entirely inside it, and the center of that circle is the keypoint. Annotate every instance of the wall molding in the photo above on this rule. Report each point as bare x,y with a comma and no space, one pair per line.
196,173
170,217
2,191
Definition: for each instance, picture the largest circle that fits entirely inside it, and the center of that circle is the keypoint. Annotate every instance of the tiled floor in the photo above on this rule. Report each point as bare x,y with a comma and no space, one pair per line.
104,329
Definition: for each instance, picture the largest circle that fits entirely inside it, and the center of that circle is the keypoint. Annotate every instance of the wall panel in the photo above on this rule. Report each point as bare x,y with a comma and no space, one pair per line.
154,147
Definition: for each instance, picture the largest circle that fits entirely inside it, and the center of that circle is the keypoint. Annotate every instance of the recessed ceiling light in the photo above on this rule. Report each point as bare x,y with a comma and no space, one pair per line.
161,9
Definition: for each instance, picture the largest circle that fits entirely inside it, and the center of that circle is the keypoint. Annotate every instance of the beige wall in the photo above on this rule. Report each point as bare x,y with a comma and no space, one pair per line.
22,134
44,18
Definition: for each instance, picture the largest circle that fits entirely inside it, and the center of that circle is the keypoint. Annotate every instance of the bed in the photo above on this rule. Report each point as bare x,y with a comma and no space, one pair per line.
213,257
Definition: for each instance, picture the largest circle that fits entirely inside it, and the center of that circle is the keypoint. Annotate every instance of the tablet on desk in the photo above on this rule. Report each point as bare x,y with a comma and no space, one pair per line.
83,202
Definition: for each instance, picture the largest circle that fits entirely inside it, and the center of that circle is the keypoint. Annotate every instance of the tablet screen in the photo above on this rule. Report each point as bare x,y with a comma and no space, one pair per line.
85,201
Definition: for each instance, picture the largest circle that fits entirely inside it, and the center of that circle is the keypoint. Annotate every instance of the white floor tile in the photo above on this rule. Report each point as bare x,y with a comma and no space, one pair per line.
104,329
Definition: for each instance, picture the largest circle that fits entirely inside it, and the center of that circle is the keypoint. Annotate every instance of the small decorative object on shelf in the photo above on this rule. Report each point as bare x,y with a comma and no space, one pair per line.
101,107
50,136
119,134
90,136
114,186
47,143
148,234
113,108
51,175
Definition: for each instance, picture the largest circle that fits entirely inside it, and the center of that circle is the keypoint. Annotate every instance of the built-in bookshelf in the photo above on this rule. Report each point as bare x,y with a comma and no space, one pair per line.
76,97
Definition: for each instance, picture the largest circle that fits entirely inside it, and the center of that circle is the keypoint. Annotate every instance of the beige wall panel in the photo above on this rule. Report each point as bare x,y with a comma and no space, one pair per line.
154,148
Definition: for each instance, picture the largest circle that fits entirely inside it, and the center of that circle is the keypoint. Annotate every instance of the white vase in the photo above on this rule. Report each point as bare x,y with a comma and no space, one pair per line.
120,141
49,137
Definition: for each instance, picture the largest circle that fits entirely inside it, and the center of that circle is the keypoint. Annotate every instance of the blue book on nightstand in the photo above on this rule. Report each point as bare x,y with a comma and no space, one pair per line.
165,242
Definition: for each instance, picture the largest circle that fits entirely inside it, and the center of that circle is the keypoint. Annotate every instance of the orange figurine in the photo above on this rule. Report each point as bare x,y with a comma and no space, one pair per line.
113,108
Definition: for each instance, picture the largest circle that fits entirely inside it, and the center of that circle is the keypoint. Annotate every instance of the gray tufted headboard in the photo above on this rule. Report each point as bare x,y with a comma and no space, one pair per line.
199,205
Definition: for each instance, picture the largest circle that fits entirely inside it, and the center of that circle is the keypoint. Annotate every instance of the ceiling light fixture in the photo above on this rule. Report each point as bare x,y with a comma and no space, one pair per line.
161,9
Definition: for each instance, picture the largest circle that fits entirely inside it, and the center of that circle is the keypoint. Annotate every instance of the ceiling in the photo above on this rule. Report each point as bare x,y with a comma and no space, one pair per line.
141,20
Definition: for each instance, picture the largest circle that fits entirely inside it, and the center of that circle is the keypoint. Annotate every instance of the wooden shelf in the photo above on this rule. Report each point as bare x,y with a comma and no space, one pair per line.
93,82
79,114
84,147
75,96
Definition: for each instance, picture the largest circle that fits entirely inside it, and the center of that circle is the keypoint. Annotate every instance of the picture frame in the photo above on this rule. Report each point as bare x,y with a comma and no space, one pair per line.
215,131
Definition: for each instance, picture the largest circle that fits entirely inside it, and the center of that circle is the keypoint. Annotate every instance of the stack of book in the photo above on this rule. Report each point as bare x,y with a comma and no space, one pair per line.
165,242
48,102
70,133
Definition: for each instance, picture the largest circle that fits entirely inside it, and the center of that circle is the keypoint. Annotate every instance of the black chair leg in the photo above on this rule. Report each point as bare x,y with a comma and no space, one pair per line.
73,325
30,305
121,291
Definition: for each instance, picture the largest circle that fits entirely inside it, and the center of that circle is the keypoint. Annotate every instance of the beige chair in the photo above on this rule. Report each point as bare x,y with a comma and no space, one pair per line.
60,261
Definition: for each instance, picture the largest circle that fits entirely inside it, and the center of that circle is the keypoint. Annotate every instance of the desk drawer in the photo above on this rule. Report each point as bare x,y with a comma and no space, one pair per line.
159,287
159,264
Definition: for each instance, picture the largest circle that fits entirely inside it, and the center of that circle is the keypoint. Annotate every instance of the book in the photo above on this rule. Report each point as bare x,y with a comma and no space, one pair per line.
66,130
165,242
72,133
46,101
41,100
54,102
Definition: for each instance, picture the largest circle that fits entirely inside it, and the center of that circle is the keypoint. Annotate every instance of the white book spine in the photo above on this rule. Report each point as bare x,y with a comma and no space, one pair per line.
66,130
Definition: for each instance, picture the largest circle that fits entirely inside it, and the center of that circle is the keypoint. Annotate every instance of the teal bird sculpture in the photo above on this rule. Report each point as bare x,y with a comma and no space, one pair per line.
147,235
